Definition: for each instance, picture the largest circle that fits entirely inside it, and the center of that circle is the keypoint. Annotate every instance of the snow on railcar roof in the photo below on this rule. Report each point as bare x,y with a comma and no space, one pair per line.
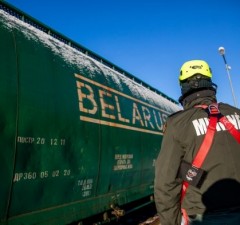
80,60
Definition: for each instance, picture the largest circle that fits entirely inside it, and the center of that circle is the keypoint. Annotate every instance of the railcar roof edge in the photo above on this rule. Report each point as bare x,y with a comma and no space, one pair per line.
32,21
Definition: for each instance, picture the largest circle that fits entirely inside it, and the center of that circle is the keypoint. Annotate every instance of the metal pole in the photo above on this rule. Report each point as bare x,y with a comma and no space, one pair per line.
222,53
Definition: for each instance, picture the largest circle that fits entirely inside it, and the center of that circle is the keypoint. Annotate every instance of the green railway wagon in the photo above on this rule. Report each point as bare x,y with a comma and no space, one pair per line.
79,135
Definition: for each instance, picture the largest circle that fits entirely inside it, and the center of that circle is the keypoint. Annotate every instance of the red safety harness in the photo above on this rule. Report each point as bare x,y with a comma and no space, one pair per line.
214,117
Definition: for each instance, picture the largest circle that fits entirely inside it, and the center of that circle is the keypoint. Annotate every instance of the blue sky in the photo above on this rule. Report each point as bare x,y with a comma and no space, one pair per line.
151,39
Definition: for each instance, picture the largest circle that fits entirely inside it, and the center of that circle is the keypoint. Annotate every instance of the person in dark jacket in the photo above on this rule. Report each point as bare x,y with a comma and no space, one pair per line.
217,199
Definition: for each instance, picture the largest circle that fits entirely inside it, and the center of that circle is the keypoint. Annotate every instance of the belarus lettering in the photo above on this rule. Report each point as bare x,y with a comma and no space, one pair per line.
104,105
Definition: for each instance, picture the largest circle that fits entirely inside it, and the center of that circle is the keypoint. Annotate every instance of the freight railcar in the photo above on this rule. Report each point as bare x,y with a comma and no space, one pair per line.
79,135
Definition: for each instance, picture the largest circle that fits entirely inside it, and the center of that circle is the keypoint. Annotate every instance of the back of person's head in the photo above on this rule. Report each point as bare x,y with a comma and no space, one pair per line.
195,76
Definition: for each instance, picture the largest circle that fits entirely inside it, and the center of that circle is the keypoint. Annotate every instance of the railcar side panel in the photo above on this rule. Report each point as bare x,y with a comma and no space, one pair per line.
76,136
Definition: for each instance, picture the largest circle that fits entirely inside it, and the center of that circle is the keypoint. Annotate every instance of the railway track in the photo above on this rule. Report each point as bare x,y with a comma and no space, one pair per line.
145,215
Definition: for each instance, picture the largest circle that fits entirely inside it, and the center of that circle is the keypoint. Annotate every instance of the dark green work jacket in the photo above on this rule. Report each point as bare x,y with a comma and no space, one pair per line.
183,136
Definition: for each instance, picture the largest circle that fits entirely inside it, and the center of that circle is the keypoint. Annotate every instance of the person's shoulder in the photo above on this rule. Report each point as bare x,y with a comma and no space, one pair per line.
175,114
180,113
228,107
176,120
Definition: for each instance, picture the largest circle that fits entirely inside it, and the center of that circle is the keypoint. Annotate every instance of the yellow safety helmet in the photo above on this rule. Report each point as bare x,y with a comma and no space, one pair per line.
193,67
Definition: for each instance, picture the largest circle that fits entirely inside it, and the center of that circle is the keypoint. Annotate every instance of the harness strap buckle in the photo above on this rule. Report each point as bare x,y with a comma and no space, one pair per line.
213,109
